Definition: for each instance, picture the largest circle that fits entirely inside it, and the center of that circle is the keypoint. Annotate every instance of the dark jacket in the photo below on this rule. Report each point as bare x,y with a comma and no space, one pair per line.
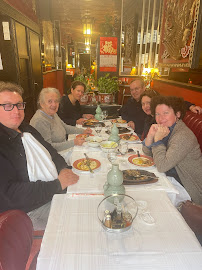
14,180
132,111
68,112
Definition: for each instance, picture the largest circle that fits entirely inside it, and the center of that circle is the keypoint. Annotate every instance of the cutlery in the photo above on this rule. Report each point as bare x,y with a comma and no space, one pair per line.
88,163
138,153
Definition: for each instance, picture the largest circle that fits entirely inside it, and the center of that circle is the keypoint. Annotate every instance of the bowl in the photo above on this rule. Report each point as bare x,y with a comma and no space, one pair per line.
108,146
94,141
117,212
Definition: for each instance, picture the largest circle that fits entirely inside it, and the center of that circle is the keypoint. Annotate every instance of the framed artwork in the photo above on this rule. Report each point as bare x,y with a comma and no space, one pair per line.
48,41
180,29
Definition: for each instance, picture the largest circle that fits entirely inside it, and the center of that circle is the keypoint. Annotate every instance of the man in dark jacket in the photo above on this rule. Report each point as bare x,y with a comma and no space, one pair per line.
19,192
132,111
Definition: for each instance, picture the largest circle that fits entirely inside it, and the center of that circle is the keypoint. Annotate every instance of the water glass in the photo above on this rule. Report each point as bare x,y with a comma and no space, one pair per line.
105,114
98,129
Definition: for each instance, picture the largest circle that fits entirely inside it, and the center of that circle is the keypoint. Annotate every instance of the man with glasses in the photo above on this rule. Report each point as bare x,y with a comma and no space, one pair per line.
132,111
31,169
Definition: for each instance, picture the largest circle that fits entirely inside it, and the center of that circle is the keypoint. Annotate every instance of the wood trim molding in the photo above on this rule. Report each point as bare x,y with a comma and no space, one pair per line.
8,10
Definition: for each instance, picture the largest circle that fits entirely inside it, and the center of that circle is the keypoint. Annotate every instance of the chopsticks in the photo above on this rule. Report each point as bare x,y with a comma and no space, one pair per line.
88,163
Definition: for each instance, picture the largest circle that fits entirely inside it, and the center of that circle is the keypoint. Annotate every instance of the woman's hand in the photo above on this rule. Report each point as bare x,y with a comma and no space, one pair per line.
80,121
161,133
131,124
87,131
150,136
88,116
79,141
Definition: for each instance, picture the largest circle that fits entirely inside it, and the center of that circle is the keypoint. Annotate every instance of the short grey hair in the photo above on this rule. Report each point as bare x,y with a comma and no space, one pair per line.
11,87
46,91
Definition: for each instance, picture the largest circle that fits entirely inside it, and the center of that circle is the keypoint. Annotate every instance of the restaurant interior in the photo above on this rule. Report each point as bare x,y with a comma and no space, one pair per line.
51,43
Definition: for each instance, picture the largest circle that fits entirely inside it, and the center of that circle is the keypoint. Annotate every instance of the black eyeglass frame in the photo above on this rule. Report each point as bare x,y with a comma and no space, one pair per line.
13,105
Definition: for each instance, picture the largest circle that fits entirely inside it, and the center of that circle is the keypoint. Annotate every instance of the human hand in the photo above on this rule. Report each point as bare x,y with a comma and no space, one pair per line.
161,133
195,109
131,124
80,121
79,141
150,136
87,131
67,178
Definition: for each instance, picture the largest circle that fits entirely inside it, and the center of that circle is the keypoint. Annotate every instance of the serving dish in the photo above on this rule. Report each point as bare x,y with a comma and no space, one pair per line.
108,146
142,161
121,130
92,123
119,121
129,137
84,135
82,164
137,177
94,141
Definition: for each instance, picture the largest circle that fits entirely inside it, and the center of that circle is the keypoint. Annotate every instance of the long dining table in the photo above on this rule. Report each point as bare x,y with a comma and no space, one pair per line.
159,238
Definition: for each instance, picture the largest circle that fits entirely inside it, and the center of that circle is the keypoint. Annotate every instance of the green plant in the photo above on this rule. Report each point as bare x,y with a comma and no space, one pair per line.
108,84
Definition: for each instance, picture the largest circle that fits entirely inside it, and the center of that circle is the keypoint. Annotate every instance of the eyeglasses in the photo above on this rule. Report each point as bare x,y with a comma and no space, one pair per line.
9,106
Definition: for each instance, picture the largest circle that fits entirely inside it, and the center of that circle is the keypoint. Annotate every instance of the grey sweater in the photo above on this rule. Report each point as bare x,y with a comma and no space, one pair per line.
182,153
54,130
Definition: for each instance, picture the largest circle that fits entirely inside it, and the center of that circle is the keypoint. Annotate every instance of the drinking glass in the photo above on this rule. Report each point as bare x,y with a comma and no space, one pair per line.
123,149
105,114
112,157
98,129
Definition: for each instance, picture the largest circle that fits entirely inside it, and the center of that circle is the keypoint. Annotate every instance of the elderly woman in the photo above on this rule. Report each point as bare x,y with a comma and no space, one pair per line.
48,123
70,109
174,146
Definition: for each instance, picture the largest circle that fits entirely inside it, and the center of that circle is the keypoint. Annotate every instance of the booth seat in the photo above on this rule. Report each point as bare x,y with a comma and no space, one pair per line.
194,122
15,240
19,244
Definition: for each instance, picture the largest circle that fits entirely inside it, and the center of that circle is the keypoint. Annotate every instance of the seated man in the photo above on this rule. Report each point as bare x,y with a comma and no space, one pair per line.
132,111
31,169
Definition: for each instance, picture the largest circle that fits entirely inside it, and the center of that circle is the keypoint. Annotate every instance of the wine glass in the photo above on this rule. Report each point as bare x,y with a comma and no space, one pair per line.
123,149
105,114
98,128
112,157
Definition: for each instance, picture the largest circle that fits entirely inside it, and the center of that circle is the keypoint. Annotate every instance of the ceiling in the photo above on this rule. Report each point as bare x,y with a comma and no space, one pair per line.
70,13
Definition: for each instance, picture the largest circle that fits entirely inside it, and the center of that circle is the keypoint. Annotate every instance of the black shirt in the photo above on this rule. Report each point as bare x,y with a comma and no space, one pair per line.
132,111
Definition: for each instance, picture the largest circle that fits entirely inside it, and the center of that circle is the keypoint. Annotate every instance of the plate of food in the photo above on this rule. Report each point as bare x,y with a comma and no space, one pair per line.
121,130
94,141
137,177
92,123
83,164
142,161
129,137
83,135
119,121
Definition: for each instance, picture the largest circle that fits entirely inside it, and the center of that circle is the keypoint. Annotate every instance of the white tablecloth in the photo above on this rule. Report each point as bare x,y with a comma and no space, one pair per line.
75,240
93,183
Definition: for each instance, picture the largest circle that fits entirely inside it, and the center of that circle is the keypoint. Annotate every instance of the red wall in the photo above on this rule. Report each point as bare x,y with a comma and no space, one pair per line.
54,78
169,89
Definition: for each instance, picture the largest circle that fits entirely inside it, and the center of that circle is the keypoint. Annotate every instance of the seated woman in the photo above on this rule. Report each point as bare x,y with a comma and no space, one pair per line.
145,100
49,124
173,145
70,109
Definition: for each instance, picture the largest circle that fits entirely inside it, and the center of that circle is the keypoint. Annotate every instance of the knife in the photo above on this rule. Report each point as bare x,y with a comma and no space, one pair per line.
88,163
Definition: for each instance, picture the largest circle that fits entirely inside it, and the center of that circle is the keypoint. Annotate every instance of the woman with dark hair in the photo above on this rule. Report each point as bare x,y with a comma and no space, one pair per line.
145,100
70,109
173,145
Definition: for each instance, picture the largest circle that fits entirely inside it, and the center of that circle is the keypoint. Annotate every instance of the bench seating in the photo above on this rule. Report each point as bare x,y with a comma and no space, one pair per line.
194,122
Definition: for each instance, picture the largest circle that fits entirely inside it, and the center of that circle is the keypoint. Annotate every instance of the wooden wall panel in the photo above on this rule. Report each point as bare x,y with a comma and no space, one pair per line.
181,90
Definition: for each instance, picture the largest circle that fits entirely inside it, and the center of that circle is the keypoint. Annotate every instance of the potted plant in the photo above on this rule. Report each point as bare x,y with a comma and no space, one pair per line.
107,87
